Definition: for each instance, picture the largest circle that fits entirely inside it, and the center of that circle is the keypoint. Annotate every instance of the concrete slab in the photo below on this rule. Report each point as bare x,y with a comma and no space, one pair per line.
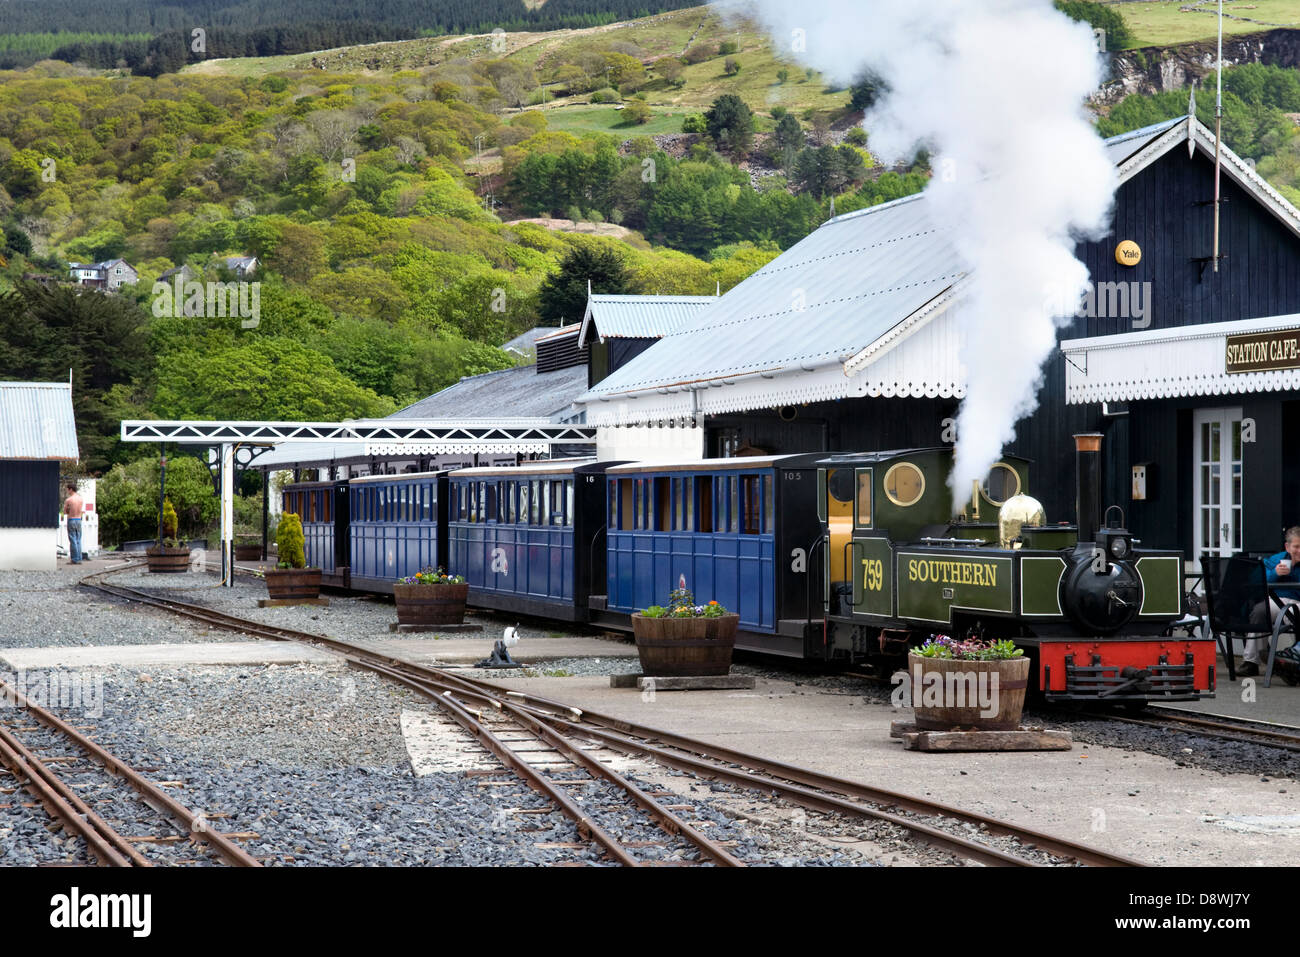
459,651
1130,803
141,656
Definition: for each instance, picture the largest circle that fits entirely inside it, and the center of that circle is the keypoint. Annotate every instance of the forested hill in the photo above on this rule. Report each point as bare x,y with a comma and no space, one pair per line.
157,36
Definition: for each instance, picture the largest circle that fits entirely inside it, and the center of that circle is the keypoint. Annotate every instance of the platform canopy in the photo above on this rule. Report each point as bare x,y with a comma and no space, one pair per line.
1218,358
377,436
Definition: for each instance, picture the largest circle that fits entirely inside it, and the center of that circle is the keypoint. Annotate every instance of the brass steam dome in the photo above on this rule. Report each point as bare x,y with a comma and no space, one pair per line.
1016,511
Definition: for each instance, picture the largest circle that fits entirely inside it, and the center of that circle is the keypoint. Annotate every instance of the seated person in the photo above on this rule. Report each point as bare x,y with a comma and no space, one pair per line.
1283,567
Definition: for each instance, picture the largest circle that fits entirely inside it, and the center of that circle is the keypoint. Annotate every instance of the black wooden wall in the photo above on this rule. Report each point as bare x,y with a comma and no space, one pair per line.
1166,210
29,494
1163,210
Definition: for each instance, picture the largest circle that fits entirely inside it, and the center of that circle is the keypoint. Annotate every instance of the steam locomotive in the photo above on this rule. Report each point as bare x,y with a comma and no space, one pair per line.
845,557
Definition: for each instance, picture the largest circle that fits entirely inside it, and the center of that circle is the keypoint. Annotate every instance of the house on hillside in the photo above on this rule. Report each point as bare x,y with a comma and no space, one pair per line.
108,275
243,267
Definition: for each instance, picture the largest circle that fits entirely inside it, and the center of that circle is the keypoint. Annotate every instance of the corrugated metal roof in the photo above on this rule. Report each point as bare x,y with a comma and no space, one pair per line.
527,340
825,299
520,392
638,317
36,421
1121,147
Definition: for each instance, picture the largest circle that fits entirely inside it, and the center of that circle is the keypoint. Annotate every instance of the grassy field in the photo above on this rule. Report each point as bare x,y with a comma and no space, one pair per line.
1184,21
667,34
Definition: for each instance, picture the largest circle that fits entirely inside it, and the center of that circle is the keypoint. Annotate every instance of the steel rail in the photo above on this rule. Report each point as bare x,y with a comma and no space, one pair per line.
823,782
768,772
195,825
1220,730
537,725
384,664
108,847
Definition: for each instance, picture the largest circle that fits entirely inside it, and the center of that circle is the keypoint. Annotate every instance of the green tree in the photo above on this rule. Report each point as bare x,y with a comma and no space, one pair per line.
730,123
636,112
101,338
563,296
128,499
262,378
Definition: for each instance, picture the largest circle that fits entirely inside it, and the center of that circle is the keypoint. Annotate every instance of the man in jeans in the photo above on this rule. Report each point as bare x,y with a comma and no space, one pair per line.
1282,568
74,508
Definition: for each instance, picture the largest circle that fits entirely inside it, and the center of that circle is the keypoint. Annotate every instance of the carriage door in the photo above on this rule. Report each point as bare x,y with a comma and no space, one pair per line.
1216,481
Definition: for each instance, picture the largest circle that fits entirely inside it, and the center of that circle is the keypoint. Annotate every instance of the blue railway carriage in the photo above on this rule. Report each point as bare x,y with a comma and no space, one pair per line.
741,531
323,508
527,537
399,527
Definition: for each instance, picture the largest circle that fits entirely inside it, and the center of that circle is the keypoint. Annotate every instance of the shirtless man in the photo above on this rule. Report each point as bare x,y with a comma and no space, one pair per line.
74,508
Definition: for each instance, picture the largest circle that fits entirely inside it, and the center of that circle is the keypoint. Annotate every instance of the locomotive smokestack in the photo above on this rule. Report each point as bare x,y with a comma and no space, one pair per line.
1087,474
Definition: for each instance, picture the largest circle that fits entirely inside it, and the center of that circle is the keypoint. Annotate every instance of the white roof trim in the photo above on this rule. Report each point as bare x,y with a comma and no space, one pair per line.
1238,170
1168,363
903,330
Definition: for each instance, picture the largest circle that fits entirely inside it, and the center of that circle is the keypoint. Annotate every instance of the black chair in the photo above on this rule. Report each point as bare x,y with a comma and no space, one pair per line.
1237,599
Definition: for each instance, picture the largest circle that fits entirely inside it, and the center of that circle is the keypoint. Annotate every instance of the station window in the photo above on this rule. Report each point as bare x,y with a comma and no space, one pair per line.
704,493
864,500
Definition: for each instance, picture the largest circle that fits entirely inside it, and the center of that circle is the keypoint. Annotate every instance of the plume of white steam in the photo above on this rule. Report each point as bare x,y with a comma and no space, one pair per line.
995,90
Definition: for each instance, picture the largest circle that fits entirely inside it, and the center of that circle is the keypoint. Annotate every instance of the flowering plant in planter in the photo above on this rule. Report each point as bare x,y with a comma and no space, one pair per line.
431,577
941,646
681,604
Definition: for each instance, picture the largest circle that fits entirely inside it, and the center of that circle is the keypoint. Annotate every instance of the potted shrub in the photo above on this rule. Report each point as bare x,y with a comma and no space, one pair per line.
685,638
291,578
248,544
968,685
171,554
431,598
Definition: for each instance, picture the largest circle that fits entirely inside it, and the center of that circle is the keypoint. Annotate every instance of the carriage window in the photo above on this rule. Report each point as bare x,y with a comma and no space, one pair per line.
663,505
638,507
326,505
535,504
904,484
626,498
1000,484
568,502
733,514
751,507
492,513
704,490
462,494
612,492
544,503
769,505
557,501
679,486
864,498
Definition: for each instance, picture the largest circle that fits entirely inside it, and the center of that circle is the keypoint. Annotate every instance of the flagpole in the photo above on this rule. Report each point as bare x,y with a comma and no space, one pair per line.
1218,136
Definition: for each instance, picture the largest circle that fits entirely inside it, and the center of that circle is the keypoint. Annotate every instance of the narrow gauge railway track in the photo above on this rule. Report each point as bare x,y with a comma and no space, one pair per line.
1242,730
33,767
559,725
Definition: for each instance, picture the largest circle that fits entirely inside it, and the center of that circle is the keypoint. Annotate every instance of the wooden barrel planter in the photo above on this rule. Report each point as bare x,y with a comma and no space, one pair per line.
431,604
672,647
954,701
248,553
166,560
293,582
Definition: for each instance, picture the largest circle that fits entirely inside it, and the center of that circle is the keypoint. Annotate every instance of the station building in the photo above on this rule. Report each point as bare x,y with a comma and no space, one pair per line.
850,341
38,434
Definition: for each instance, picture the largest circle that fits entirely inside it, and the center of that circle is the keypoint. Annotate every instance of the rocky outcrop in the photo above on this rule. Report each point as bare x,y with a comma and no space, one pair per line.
1160,69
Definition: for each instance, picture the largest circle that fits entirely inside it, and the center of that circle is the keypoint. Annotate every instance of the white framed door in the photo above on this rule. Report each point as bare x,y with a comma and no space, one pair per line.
1217,481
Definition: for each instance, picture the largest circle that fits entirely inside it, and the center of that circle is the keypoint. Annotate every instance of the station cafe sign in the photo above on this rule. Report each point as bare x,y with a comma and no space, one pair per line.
1263,351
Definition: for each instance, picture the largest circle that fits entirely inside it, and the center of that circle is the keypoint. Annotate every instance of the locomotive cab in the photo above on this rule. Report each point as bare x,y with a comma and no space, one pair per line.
903,562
